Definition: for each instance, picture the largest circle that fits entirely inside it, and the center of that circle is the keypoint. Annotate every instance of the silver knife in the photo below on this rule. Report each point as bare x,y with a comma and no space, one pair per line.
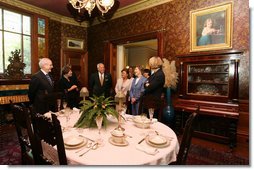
87,138
142,140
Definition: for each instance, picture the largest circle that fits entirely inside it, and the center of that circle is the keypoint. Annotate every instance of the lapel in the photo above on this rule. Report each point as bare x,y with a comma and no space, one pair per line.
43,76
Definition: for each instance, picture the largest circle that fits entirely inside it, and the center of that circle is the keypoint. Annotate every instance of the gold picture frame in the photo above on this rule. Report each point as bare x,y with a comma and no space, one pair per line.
211,28
76,44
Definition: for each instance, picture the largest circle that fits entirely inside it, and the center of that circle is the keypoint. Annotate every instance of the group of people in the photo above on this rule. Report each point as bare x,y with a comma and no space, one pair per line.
134,85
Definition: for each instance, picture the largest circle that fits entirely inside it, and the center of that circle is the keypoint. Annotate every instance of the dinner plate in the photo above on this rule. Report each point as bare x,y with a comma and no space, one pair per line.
158,146
76,146
125,143
73,140
157,139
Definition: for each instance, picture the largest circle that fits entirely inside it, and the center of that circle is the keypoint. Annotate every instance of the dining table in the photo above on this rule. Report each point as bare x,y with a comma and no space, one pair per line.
86,146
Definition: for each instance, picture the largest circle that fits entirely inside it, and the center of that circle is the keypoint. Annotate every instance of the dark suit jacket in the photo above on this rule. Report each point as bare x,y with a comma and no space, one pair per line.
156,82
96,87
39,89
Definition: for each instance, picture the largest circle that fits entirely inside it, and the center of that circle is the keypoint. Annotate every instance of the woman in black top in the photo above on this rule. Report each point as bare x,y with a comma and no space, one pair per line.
69,87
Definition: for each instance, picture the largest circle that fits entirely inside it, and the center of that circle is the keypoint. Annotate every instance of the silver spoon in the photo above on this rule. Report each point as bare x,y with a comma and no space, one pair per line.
94,146
89,145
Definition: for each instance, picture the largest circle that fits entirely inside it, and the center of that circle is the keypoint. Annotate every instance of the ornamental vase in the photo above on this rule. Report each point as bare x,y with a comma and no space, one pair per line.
168,113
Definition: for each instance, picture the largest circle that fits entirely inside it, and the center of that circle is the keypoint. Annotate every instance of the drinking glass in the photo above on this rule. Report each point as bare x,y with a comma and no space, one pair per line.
67,115
143,118
98,120
64,104
151,113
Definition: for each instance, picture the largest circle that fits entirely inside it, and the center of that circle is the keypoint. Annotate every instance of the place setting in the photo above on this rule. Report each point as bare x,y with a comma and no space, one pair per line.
74,142
118,138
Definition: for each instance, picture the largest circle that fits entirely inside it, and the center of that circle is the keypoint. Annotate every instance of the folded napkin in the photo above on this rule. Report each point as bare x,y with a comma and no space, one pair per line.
146,149
154,120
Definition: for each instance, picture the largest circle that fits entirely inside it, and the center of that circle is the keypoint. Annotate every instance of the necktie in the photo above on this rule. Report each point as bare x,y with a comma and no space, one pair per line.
49,79
101,79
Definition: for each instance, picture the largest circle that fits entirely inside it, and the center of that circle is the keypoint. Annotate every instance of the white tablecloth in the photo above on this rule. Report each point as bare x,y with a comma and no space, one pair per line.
109,154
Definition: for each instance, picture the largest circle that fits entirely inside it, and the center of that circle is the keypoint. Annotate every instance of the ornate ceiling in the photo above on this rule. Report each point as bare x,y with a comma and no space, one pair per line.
60,6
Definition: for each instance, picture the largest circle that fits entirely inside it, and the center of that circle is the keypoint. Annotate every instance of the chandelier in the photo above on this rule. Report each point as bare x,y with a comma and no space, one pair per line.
102,5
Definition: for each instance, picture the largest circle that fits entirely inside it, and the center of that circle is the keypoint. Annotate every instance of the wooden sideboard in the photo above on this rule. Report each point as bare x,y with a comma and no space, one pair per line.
210,81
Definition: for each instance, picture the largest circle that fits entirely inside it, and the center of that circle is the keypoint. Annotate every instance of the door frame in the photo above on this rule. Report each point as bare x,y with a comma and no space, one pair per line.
84,66
110,48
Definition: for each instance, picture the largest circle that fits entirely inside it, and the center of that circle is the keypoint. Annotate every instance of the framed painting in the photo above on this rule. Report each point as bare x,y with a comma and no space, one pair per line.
75,44
211,28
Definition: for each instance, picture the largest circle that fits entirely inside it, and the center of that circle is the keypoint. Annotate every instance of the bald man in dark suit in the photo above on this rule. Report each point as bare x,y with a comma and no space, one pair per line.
41,85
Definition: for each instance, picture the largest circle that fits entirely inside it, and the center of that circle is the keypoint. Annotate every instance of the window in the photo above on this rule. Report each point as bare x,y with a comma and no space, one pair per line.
15,33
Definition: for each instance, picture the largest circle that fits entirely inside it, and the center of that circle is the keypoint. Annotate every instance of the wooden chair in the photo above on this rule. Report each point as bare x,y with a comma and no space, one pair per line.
186,139
49,131
22,120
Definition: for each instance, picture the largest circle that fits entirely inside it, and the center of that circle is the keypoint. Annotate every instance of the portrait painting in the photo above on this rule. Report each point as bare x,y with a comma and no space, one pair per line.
211,28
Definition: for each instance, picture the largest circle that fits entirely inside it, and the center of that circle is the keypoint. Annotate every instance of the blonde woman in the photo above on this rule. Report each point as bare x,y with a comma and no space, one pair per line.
154,84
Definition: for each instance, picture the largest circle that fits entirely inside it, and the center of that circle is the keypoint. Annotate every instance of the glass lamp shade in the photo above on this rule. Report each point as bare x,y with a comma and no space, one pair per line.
84,92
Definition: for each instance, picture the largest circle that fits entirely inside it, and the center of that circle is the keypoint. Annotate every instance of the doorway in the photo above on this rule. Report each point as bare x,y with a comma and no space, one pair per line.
114,48
79,62
135,54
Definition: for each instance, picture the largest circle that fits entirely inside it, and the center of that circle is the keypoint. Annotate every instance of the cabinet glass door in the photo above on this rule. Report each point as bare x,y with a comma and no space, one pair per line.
208,79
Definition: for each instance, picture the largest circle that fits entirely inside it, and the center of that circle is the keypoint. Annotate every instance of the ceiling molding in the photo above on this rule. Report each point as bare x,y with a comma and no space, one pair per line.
136,7
37,10
133,8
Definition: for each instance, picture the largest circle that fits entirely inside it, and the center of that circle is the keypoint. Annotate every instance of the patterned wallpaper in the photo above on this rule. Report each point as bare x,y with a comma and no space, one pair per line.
58,32
174,18
55,47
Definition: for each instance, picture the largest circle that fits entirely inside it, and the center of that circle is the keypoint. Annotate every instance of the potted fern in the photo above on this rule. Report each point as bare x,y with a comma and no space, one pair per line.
95,108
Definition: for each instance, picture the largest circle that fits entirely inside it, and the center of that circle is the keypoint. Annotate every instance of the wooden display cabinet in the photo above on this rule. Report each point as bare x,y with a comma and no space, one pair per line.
210,80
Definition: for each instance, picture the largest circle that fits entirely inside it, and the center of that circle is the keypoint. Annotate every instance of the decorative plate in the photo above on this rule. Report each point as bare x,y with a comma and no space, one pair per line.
73,140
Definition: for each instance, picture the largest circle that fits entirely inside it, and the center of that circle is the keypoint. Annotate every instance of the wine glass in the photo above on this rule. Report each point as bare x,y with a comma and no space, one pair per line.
151,113
64,104
143,119
98,120
67,116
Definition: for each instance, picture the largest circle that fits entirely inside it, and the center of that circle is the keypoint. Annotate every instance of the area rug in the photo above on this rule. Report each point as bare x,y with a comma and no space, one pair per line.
10,153
199,155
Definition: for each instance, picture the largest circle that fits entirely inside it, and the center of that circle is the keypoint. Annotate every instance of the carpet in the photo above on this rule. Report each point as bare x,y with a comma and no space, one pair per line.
10,153
198,155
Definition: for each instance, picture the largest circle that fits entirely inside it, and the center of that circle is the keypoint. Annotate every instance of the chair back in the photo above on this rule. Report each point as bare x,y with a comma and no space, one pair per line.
22,121
186,139
49,131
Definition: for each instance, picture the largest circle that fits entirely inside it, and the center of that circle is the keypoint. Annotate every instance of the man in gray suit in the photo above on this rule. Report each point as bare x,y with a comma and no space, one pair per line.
40,86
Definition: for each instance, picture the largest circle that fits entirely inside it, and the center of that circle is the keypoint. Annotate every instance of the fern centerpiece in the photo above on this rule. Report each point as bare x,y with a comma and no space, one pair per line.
93,108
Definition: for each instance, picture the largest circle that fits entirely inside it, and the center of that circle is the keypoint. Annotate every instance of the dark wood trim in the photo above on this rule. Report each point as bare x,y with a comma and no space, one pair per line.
110,48
12,82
